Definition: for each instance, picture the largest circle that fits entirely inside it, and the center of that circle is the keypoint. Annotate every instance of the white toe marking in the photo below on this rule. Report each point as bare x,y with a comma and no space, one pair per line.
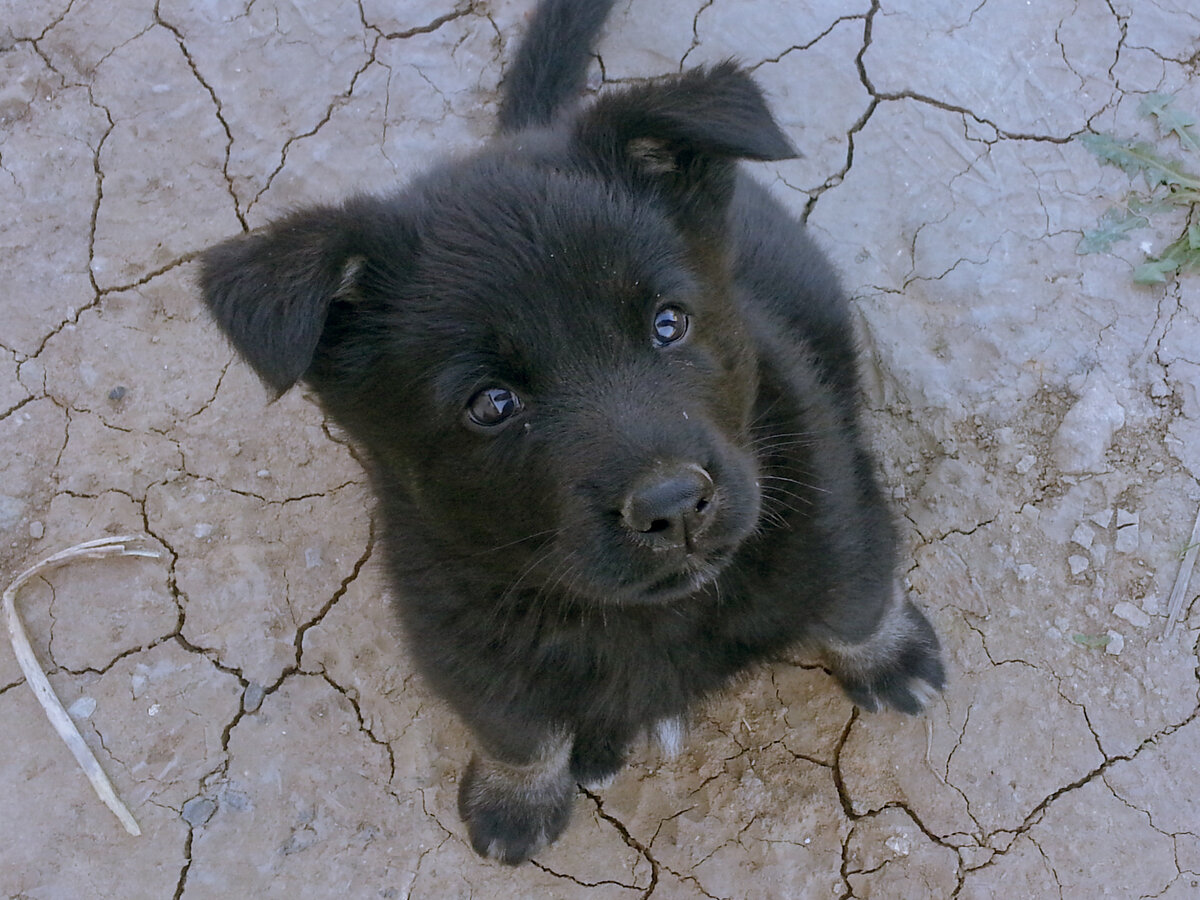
669,734
922,691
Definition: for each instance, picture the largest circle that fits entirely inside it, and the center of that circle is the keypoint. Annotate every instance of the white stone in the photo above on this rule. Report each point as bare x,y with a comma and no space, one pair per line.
1088,428
82,708
1083,536
1127,539
1116,643
1125,517
1131,614
1078,564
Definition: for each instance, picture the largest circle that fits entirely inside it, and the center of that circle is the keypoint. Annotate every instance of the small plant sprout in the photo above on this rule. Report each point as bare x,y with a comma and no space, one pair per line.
1169,184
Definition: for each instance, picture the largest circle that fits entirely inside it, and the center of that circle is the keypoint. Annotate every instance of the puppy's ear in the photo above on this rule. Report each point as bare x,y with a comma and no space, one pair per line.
271,291
681,136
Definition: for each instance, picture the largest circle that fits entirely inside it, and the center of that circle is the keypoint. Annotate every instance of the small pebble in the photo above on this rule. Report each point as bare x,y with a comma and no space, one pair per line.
1116,643
1025,463
82,708
37,530
1127,539
312,558
1083,536
1131,614
198,810
1078,564
202,530
117,393
252,698
263,473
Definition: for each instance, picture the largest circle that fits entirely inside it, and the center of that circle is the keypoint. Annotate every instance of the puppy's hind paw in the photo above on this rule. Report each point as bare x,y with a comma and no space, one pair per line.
509,815
905,672
908,695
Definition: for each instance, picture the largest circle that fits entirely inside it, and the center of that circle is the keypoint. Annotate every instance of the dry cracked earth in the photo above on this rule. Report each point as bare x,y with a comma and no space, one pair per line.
1037,415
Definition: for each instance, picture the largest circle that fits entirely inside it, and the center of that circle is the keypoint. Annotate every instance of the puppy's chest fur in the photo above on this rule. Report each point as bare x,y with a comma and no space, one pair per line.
479,631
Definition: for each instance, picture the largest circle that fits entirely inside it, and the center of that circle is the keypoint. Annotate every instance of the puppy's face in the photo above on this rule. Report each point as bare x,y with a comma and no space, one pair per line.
563,388
538,347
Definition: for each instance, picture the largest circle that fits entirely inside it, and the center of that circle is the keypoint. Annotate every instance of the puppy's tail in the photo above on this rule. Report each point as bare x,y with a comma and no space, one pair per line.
551,64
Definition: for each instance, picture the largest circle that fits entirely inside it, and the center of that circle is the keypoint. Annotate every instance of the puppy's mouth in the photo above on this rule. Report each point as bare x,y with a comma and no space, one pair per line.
696,574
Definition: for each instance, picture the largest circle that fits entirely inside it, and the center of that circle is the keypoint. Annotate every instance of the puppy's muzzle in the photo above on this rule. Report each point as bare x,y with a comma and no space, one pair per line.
670,506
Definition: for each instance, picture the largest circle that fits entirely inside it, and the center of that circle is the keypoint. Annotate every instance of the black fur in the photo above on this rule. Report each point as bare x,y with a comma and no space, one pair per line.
606,390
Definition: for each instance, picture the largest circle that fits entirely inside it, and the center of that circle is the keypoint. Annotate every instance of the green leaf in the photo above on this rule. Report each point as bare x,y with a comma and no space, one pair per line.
1135,157
1153,204
1170,119
1179,255
1155,271
1114,225
1092,641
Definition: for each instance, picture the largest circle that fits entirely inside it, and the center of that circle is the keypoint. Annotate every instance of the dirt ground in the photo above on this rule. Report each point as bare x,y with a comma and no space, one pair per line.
1037,415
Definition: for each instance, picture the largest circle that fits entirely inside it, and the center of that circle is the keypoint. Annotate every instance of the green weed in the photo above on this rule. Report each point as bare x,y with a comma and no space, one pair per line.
1169,185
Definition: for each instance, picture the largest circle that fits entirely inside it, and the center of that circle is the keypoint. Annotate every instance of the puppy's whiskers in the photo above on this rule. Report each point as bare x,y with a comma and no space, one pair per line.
544,552
513,543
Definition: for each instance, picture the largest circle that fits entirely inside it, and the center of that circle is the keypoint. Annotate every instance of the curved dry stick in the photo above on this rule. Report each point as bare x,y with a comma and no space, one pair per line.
112,546
1179,591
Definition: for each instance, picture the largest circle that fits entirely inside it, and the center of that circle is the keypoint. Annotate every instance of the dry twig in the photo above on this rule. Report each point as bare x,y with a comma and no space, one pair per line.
38,683
1179,591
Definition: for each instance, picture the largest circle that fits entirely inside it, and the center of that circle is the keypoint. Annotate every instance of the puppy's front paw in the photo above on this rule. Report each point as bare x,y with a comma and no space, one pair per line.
901,667
512,812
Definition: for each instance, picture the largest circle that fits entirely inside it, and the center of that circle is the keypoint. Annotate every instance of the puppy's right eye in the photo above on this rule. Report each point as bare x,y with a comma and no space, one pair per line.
493,406
670,325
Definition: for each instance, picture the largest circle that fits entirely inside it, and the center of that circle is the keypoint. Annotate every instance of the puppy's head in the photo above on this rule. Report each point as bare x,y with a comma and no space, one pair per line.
540,347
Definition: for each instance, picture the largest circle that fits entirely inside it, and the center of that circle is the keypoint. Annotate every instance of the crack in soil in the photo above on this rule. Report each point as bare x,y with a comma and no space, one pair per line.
628,838
1035,816
219,110
334,105
362,723
587,884
848,811
469,9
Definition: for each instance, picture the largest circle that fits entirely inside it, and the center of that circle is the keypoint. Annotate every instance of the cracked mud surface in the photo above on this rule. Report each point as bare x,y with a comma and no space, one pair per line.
1037,416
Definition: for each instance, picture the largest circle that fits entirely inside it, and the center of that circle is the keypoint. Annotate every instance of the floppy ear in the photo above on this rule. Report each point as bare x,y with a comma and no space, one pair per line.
271,291
681,136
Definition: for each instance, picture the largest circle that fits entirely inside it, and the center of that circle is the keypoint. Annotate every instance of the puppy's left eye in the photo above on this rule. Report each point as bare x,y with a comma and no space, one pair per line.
493,406
670,325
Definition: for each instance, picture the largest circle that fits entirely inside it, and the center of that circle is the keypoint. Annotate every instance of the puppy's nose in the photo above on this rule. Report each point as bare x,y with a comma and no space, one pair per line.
671,506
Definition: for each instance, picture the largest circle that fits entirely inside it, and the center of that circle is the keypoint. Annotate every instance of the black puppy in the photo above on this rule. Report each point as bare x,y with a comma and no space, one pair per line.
606,390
